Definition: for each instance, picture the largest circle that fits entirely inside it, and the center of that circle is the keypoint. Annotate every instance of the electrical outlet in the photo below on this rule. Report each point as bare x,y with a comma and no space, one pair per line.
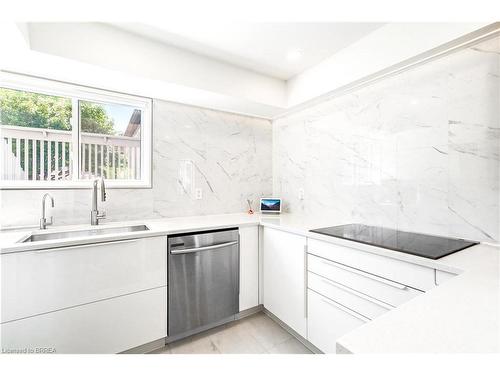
198,193
301,194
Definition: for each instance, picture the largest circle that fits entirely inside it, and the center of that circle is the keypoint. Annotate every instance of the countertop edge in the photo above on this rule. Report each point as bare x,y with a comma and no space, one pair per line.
17,247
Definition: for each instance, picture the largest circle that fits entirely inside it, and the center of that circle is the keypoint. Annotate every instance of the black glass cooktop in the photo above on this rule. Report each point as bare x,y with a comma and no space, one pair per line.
424,245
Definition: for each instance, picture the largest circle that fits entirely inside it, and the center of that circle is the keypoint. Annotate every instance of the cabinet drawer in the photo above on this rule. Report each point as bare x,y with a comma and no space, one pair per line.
363,305
328,321
377,287
110,326
37,282
413,275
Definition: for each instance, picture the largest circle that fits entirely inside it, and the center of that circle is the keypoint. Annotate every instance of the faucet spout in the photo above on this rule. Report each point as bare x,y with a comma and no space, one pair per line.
43,220
95,214
103,190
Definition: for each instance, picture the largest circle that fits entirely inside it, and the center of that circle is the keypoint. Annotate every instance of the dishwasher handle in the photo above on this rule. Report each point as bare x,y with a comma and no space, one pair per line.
204,248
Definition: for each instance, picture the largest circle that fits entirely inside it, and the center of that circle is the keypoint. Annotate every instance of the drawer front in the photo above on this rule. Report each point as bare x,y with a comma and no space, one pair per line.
37,282
328,321
413,275
110,326
379,288
363,305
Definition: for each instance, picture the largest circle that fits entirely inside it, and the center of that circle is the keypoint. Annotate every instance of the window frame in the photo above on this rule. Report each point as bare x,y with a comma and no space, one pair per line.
76,93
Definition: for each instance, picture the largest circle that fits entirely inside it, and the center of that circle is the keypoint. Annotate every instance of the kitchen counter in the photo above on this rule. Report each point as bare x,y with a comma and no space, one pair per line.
461,315
158,227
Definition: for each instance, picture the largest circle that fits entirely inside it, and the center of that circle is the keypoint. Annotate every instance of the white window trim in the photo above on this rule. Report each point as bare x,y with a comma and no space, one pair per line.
77,92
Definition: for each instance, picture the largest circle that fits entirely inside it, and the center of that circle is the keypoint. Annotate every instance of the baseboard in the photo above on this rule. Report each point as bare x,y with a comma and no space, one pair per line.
250,311
204,328
146,348
291,331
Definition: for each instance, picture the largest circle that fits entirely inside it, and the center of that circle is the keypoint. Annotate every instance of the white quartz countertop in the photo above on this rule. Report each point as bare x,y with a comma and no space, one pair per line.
461,315
9,239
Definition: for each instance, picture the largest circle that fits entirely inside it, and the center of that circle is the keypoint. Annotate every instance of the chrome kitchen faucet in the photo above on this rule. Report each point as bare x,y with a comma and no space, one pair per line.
95,215
43,220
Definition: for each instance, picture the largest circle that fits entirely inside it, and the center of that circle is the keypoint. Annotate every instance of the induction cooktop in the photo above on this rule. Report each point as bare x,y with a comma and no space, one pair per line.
424,245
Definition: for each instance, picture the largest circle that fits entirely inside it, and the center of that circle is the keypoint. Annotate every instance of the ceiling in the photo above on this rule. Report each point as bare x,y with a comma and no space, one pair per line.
280,50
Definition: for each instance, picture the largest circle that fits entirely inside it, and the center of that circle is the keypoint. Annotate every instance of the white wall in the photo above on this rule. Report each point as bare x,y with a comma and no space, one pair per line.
384,47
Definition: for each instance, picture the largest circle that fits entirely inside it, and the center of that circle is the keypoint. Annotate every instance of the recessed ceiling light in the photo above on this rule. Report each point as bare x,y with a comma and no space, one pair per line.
294,55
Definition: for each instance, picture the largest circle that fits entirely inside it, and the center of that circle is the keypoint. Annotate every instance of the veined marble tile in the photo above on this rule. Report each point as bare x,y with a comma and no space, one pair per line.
230,155
417,151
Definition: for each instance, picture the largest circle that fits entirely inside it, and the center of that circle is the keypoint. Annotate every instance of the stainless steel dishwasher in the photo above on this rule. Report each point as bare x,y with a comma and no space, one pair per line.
203,281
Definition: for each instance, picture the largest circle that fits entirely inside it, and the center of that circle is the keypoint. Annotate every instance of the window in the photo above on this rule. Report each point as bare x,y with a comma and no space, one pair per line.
110,141
59,135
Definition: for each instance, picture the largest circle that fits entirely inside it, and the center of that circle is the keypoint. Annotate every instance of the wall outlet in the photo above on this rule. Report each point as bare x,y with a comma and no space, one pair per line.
301,194
198,193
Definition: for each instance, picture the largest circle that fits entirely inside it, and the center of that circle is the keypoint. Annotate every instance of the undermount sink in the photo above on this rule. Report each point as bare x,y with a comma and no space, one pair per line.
83,233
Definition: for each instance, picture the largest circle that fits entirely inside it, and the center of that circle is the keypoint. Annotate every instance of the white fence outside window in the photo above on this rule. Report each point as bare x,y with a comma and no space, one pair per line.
45,154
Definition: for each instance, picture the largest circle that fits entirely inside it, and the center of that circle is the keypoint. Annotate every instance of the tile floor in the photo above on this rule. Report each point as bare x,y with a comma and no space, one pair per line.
256,334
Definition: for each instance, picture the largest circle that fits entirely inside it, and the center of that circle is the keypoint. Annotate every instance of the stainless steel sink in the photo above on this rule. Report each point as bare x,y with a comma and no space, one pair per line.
83,233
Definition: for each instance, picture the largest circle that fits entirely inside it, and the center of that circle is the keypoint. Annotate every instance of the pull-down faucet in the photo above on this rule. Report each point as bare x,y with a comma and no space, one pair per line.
95,215
43,220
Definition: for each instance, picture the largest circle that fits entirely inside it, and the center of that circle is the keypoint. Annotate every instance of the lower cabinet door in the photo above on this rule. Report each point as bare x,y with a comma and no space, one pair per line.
284,278
109,326
328,321
249,267
40,281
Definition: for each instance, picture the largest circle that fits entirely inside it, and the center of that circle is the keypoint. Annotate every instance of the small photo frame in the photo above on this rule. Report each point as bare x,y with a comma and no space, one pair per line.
270,205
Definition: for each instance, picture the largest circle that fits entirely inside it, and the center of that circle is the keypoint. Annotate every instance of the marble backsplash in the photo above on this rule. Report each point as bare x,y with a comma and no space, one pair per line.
225,155
419,151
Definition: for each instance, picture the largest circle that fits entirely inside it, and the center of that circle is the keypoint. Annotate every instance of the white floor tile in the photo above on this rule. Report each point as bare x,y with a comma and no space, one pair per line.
290,346
257,334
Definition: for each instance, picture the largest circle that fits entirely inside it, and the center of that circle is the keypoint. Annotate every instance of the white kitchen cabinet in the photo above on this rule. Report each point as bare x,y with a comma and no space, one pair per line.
284,277
413,275
369,284
358,302
328,321
249,267
41,281
109,326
